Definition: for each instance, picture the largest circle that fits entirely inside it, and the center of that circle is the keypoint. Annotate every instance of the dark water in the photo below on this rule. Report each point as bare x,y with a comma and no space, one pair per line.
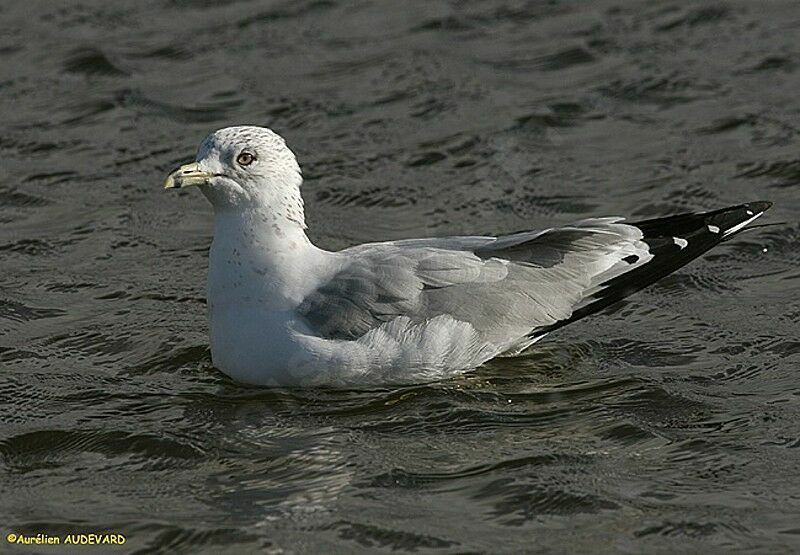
672,424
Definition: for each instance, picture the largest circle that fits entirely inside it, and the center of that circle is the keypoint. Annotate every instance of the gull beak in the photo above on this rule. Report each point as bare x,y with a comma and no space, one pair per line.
186,176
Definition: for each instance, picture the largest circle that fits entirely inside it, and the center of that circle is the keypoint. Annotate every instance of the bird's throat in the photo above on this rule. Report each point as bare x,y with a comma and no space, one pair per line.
260,257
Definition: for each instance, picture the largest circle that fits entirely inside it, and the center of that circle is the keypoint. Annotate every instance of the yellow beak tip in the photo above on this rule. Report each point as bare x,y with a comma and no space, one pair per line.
185,176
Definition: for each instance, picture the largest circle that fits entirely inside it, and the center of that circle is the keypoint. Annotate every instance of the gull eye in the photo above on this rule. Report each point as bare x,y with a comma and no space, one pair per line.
245,158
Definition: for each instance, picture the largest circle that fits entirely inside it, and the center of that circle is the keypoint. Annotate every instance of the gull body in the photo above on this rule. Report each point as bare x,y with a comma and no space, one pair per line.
283,311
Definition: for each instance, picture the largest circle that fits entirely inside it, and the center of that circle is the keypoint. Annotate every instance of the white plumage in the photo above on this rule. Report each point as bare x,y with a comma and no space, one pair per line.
283,311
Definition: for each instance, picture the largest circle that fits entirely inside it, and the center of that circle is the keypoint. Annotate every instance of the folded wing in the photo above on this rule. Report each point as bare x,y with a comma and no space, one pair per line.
515,288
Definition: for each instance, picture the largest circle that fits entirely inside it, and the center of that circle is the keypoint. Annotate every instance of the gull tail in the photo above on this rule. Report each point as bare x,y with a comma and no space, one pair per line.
673,242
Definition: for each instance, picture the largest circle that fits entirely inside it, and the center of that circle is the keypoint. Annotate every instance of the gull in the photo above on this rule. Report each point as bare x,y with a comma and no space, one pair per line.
285,312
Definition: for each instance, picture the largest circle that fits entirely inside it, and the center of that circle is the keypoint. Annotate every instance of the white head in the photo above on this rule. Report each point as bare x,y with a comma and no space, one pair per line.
245,168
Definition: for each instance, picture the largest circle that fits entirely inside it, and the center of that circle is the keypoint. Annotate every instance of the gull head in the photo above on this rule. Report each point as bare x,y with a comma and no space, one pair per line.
244,167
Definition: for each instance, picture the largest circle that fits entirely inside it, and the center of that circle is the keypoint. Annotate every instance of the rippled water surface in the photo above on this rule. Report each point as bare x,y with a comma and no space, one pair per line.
670,424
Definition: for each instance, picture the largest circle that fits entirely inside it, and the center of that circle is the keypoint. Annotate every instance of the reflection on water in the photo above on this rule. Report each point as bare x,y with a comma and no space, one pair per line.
668,423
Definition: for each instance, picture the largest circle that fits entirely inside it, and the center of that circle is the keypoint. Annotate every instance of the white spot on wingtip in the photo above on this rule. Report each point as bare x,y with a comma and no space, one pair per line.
681,242
713,229
750,213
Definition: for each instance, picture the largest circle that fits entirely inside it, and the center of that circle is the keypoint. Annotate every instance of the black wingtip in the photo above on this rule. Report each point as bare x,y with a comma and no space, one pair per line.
733,219
728,220
759,205
673,241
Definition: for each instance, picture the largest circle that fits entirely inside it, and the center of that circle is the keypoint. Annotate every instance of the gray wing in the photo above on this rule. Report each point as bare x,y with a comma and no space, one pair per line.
504,287
515,287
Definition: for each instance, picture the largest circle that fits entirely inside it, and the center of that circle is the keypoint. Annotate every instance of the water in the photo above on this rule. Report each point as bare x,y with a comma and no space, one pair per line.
671,424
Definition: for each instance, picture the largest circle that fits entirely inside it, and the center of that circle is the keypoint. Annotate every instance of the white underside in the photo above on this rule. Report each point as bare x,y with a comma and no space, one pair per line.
274,349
